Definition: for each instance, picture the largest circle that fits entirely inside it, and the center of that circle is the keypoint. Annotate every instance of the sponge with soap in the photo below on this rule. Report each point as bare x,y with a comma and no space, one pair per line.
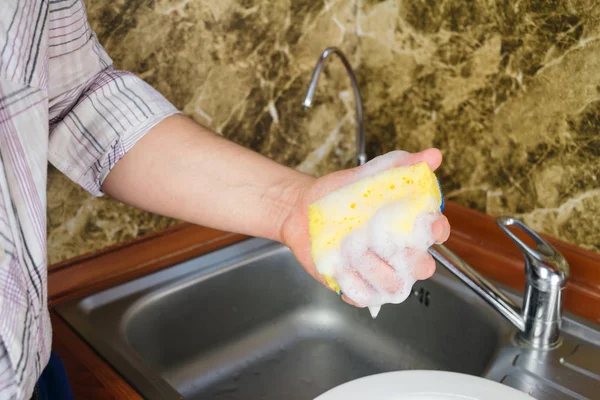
388,214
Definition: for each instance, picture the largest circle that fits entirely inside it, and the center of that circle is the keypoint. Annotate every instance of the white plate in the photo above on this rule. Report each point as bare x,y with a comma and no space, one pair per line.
423,385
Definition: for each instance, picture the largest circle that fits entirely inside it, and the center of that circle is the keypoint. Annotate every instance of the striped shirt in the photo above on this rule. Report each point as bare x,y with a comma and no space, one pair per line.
62,102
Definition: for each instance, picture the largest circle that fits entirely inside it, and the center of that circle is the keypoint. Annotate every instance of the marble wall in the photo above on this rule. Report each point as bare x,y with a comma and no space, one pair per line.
509,90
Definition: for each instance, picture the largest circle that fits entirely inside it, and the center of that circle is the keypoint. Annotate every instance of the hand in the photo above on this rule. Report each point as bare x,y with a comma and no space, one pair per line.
295,227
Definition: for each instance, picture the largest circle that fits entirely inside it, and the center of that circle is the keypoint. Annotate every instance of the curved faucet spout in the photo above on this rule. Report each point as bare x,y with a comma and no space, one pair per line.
361,156
479,284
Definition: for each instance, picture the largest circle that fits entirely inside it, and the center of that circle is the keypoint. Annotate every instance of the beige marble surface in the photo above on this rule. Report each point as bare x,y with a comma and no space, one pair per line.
510,93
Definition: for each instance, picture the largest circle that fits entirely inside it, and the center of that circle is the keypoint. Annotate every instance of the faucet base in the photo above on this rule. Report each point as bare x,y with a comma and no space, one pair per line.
521,341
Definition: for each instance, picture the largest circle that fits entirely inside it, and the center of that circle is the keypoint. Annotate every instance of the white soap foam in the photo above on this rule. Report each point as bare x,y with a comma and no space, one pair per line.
363,277
382,163
328,262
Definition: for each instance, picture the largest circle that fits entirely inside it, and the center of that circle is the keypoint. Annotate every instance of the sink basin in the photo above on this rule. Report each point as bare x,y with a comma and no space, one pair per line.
246,322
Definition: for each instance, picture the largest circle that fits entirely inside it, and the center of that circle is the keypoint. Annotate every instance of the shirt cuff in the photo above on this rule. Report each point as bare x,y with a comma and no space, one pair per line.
93,179
114,111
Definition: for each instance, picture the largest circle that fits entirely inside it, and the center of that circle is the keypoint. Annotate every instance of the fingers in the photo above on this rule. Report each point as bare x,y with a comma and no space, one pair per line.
440,229
360,287
433,158
424,266
356,290
382,276
393,159
352,303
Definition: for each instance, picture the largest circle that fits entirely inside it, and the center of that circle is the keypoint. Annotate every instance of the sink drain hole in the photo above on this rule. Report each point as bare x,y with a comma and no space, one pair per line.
423,296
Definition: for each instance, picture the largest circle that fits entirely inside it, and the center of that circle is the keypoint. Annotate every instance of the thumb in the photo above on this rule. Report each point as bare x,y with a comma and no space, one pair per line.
398,158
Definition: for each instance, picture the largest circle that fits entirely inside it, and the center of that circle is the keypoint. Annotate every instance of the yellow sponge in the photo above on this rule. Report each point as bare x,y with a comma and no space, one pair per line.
347,209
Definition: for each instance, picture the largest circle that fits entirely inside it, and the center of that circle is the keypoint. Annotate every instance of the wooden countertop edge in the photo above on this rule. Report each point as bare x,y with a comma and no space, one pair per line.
91,378
475,237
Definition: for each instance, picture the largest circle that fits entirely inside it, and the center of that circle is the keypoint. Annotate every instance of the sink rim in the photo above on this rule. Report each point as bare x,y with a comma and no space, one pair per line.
140,292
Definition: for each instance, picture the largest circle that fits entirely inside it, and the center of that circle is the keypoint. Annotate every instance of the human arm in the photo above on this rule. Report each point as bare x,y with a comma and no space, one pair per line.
183,170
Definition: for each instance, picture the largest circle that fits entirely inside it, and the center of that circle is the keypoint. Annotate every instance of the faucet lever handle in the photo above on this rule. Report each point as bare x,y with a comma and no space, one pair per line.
544,260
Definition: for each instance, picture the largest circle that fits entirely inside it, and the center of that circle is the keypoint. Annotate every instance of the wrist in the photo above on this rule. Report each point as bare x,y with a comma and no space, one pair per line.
291,197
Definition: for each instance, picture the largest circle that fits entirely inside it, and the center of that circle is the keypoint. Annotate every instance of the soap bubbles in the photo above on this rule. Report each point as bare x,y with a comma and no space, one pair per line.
371,235
379,264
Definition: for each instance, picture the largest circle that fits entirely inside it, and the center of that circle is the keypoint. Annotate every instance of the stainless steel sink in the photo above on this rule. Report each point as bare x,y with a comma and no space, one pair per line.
246,322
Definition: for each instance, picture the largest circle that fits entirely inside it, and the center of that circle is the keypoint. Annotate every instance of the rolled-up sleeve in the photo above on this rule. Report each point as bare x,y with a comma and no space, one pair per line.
97,114
114,111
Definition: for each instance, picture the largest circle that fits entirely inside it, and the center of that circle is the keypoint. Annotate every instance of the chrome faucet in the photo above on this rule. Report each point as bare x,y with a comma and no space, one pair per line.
361,156
546,272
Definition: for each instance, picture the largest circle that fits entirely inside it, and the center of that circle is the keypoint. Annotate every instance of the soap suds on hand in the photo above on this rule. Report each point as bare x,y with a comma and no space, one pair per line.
360,276
368,236
382,163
